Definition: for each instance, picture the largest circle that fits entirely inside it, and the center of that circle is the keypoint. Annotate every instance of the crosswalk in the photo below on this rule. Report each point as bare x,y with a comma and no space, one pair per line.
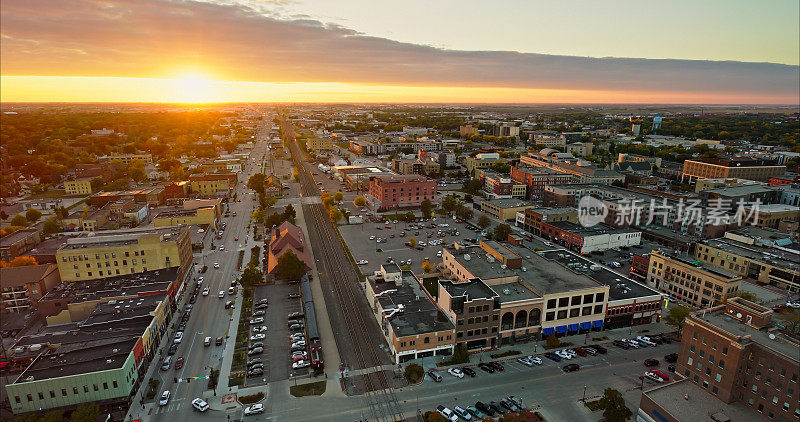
172,406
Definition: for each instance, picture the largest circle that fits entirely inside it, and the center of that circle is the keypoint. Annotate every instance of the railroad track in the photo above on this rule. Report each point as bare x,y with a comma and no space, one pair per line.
337,270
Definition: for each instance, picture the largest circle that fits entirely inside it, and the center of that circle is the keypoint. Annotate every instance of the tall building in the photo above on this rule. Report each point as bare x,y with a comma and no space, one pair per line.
687,279
118,252
401,191
737,358
736,167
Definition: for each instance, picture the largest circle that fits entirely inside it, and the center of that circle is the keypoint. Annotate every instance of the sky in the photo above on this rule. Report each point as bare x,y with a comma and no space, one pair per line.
505,51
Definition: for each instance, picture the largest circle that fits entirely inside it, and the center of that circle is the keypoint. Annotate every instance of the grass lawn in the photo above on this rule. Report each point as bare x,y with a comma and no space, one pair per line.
309,389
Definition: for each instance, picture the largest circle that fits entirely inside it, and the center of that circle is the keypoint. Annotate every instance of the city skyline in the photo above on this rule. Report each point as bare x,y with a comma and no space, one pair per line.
160,51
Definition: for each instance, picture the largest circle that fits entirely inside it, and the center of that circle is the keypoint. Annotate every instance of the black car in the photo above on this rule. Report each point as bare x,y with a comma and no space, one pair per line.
671,368
295,315
571,367
484,408
468,371
218,342
671,358
511,407
497,407
552,356
254,361
486,367
182,326
256,371
172,349
621,344
650,362
193,299
600,349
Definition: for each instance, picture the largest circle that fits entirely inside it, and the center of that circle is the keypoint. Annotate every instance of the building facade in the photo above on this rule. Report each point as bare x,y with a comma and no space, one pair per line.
725,168
686,279
401,191
81,186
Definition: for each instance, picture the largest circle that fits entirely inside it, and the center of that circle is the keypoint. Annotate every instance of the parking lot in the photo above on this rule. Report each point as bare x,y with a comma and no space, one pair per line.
545,384
275,358
394,240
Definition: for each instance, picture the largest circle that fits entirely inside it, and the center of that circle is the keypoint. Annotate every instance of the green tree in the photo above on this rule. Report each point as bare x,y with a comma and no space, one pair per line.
501,232
258,215
19,220
85,413
426,207
289,213
97,183
360,201
483,221
51,226
290,267
472,186
33,215
256,182
676,315
414,373
464,212
552,342
338,196
613,405
744,295
251,276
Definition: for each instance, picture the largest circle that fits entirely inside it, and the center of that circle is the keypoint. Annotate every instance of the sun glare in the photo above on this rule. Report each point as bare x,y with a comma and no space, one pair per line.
194,88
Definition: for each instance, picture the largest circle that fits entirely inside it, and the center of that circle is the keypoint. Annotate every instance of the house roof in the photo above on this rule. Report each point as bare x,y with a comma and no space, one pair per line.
20,276
285,237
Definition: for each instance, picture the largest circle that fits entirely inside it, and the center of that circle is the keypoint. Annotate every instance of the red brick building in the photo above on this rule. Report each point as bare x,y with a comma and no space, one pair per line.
401,191
536,178
639,265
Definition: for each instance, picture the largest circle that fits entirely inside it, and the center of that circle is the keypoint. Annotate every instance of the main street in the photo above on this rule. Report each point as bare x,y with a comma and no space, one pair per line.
209,317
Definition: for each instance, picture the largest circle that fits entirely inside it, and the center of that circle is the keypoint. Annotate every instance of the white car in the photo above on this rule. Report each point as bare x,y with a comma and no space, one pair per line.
563,355
200,404
258,336
164,398
221,294
299,343
216,265
653,377
200,280
570,352
439,254
363,262
260,329
205,291
646,340
254,409
300,364
535,359
178,337
456,372
372,238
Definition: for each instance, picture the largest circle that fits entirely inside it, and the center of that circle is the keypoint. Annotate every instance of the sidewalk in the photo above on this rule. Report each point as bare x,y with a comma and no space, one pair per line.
329,348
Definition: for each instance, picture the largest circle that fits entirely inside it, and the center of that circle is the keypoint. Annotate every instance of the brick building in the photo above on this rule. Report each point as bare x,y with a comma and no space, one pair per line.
736,167
401,191
536,178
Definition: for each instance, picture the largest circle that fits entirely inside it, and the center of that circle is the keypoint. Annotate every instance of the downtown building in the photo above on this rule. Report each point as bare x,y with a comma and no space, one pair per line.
401,191
687,279
735,167
736,363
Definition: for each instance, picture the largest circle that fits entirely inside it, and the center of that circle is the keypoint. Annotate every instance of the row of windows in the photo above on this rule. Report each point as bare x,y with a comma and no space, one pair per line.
29,397
575,300
644,307
116,263
426,340
574,312
84,257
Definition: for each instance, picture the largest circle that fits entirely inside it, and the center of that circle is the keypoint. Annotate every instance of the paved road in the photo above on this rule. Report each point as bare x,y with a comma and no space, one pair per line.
209,316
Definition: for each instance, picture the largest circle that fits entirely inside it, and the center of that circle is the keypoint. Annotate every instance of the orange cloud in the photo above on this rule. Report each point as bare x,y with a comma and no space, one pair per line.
160,39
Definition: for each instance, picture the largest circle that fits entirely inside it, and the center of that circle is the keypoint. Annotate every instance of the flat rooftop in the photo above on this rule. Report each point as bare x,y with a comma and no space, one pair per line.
419,316
543,275
15,237
557,210
122,237
619,286
513,292
595,230
777,208
739,190
472,289
780,256
508,203
692,261
122,285
700,405
781,344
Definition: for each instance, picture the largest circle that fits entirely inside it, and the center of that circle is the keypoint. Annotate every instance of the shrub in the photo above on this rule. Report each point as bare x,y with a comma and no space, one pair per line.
414,373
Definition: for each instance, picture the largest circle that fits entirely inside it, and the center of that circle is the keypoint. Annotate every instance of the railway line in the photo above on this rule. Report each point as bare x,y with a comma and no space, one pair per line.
336,272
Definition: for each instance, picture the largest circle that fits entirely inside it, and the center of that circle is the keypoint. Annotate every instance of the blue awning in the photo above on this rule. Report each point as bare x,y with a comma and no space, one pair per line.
598,323
561,329
573,327
586,325
548,331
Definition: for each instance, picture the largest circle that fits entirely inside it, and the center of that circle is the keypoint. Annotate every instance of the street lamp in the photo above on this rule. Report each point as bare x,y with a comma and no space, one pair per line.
584,394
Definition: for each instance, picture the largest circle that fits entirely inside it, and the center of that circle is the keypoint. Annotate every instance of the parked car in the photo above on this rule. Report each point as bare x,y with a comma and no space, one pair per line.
653,377
179,363
497,407
471,373
661,374
498,366
600,349
257,314
477,414
621,344
256,351
255,371
218,342
205,291
571,367
456,372
172,349
293,295
517,401
485,408
552,356
486,367
511,407
258,336
257,320
446,413
463,414
434,375
178,337
301,364
650,362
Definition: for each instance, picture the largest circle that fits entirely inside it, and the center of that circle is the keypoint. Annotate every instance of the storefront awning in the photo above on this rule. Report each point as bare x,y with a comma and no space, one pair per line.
598,323
573,327
561,329
586,325
548,331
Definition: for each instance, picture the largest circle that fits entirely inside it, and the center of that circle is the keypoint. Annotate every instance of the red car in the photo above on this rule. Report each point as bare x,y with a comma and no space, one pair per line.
179,363
663,376
579,351
497,365
388,226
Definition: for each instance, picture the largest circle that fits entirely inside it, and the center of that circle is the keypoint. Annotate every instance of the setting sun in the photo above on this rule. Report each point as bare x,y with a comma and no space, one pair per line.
194,88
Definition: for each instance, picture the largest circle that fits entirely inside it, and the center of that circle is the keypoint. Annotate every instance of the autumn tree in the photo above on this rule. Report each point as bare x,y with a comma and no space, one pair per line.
484,221
20,261
19,220
426,207
338,196
33,215
290,267
427,266
360,201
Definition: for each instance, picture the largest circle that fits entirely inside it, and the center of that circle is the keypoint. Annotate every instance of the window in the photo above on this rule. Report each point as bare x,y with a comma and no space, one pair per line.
576,300
689,361
95,387
691,348
714,389
551,303
599,297
564,301
550,316
562,314
718,378
721,363
52,394
85,388
30,398
115,383
427,340
64,392
598,309
574,312
587,298
41,396
16,399
105,386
